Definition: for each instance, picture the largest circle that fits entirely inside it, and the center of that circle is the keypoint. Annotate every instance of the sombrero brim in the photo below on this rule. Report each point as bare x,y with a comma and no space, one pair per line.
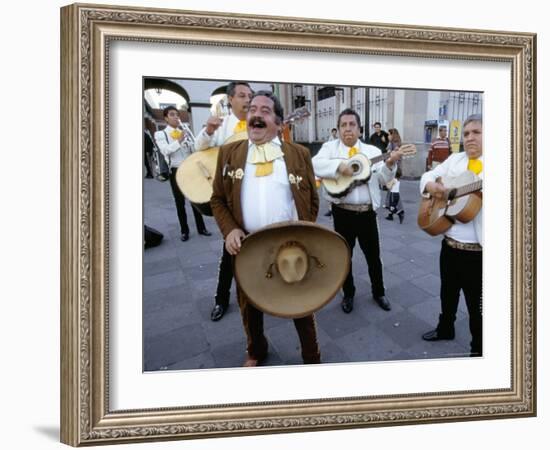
273,295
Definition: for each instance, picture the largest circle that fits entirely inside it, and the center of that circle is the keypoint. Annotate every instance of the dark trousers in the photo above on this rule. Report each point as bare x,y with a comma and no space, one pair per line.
180,207
394,203
461,270
253,322
363,227
147,161
225,277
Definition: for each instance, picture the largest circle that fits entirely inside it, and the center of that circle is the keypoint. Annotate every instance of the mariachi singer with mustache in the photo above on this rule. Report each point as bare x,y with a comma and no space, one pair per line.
258,182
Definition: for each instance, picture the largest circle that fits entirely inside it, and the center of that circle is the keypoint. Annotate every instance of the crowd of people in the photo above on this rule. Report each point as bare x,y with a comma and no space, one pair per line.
262,168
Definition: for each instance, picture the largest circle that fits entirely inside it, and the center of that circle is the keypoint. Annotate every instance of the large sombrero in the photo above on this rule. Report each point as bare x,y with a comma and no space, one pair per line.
292,269
195,175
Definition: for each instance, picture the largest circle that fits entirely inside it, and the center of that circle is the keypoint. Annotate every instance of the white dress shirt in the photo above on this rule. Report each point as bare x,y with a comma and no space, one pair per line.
332,153
268,199
453,166
226,130
174,151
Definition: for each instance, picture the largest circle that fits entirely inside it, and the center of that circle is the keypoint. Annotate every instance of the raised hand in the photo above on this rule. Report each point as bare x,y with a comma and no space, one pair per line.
212,124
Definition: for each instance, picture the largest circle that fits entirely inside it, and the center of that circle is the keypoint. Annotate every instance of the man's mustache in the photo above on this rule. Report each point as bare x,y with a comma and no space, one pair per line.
257,122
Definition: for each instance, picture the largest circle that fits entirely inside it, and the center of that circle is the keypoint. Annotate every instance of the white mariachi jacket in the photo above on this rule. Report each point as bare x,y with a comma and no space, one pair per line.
174,151
332,153
453,166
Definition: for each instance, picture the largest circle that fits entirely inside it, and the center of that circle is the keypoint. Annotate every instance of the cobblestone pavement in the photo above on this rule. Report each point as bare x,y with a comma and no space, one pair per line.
180,281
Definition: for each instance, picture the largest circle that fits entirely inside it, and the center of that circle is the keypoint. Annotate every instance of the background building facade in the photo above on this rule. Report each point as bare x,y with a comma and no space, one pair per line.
415,113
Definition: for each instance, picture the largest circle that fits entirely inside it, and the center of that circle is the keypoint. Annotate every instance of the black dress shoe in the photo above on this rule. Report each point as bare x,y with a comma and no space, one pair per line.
328,213
389,217
347,304
383,302
184,237
148,176
217,313
205,232
436,335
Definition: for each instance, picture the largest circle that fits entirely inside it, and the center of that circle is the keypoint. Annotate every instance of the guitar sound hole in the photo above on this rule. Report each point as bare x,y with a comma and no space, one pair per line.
355,167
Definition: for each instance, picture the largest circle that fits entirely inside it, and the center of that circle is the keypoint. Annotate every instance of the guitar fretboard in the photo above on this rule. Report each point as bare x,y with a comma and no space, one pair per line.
469,188
378,158
409,150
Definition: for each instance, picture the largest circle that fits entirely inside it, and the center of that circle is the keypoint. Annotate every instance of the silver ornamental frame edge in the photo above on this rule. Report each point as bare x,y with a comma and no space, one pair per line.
86,31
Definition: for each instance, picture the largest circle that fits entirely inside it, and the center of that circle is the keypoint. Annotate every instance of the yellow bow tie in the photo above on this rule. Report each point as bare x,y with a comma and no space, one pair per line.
176,134
262,156
241,126
475,165
353,151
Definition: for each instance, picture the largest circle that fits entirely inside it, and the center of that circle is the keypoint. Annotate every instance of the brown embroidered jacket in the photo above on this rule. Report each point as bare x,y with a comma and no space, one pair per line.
226,198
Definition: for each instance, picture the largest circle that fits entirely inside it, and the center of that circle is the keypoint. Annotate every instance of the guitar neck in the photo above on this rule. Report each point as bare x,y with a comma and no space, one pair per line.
469,188
379,158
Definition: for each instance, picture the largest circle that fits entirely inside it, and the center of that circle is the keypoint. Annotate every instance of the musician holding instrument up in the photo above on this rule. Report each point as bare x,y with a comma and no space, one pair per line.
216,133
354,211
460,260
217,129
258,182
175,143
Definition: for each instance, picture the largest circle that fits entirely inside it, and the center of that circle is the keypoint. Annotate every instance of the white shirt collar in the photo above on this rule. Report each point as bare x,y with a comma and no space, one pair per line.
275,141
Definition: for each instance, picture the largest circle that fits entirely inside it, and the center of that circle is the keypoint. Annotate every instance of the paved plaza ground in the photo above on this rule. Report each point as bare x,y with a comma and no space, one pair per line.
180,282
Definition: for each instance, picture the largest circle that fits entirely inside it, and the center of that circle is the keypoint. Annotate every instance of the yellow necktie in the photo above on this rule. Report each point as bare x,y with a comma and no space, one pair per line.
352,152
475,165
241,126
262,156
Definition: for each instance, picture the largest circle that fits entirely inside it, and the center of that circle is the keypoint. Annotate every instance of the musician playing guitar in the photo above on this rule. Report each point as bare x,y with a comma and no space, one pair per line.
355,213
460,260
214,134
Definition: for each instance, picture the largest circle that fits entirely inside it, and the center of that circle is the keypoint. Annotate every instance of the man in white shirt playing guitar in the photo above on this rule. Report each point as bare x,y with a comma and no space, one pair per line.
460,260
355,213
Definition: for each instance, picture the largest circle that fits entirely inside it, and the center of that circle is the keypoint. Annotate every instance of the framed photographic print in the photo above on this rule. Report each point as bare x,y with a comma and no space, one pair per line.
141,358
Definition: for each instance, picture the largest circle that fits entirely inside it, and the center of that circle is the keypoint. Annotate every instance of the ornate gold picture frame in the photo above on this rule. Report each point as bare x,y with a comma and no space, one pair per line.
87,34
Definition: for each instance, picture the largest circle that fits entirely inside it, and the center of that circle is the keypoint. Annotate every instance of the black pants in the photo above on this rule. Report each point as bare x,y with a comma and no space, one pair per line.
363,227
395,206
461,270
147,161
225,277
180,207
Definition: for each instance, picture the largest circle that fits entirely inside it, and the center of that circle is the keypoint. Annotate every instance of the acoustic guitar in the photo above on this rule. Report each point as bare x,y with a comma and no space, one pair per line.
195,175
461,202
361,166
